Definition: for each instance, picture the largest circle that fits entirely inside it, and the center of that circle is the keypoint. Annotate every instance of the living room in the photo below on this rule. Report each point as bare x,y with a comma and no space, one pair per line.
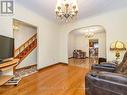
54,75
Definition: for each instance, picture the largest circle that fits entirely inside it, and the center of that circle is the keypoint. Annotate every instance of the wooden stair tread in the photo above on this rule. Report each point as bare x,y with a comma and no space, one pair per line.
5,78
9,63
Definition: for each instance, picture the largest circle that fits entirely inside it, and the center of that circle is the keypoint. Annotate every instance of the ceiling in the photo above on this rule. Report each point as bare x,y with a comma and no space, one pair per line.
87,8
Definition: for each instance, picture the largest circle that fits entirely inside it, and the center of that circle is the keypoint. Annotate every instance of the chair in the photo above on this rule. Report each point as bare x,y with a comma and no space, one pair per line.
100,60
79,54
107,83
110,67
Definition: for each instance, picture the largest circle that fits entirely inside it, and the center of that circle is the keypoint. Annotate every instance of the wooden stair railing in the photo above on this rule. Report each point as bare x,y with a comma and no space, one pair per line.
25,49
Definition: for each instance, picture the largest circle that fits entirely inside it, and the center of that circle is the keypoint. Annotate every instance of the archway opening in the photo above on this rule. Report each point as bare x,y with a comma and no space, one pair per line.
87,43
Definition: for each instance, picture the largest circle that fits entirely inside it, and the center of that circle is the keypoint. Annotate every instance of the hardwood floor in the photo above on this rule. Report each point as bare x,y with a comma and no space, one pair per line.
79,62
56,80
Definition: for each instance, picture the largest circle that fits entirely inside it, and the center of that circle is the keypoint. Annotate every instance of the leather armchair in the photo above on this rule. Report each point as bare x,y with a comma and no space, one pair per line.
110,67
106,83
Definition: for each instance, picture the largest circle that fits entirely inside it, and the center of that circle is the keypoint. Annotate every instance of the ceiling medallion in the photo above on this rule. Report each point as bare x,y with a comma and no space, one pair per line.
66,10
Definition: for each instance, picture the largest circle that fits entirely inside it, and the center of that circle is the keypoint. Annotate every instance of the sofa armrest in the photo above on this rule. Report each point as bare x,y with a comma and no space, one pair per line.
106,64
113,77
103,68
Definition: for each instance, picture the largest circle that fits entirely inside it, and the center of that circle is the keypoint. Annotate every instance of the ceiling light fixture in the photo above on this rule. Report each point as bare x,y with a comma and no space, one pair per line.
15,27
66,10
89,33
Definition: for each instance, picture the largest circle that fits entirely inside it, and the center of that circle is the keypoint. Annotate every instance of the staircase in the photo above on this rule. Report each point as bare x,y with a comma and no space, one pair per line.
25,49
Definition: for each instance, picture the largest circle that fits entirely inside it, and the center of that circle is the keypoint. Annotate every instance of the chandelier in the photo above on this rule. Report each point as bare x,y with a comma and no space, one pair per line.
66,10
89,34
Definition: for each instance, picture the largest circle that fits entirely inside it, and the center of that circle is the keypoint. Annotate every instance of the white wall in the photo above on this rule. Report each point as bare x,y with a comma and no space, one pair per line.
29,60
23,34
48,34
71,45
82,43
48,38
114,22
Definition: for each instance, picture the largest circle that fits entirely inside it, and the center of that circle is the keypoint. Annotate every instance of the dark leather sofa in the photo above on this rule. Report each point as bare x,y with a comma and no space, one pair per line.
108,83
110,67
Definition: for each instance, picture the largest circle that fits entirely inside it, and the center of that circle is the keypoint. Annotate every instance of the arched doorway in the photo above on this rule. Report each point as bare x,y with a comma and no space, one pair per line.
87,42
